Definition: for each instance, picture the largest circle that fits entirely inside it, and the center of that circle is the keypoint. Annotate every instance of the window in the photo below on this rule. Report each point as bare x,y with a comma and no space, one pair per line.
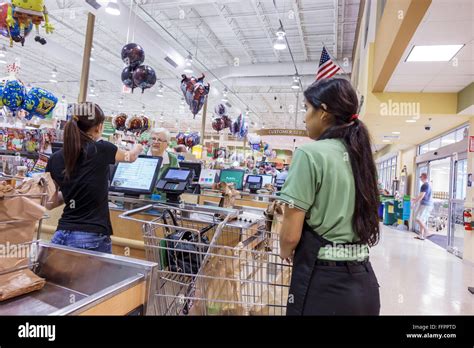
444,140
387,172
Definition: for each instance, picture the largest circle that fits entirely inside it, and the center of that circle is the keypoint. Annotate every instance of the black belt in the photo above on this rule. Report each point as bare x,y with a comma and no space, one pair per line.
341,263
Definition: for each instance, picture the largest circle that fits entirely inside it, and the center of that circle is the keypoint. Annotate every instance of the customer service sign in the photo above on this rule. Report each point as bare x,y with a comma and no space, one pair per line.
283,132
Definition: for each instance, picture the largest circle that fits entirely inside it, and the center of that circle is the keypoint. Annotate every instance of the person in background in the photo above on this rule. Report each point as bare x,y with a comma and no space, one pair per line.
261,170
250,165
80,171
160,139
331,213
283,174
425,205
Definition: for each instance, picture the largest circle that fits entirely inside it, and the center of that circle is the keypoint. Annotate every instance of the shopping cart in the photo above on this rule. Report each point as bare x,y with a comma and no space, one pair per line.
212,264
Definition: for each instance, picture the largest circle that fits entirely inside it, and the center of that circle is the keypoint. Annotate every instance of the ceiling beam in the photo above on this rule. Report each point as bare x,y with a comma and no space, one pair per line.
225,13
208,34
296,10
266,25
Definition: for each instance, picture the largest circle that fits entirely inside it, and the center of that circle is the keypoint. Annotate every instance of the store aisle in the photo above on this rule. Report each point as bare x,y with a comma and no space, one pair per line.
420,278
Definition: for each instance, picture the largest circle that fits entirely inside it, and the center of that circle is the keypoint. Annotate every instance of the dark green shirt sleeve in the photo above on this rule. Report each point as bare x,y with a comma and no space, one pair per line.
301,184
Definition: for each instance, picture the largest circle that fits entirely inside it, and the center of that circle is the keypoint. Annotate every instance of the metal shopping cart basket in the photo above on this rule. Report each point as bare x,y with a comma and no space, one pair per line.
212,264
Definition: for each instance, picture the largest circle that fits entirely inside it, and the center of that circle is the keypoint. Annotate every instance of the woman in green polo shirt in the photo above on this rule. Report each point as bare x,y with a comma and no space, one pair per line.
331,216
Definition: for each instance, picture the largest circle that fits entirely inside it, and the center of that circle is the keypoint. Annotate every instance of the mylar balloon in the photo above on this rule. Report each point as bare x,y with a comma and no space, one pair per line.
227,121
133,55
218,124
39,102
187,87
180,138
13,94
199,95
144,77
134,124
118,121
192,139
127,77
220,110
145,123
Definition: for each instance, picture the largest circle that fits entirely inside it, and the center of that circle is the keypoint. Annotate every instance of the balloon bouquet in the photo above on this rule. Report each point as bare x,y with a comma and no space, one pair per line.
135,74
17,18
14,97
240,128
134,124
188,139
222,120
194,92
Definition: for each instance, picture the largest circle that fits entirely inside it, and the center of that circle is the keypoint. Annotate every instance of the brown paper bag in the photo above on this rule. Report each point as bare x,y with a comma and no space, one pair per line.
38,185
18,283
218,286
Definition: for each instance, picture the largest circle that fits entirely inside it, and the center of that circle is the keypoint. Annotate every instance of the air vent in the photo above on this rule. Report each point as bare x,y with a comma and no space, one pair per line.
171,62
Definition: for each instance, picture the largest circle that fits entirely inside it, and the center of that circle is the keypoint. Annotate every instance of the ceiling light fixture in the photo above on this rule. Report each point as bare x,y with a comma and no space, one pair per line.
113,8
296,82
160,91
433,53
54,73
395,132
410,121
280,43
188,65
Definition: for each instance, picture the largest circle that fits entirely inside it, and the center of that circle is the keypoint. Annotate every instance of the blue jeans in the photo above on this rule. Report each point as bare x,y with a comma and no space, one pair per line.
83,240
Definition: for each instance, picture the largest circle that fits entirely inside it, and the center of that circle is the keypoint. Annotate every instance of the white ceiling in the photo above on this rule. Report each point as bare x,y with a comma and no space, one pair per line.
222,30
446,22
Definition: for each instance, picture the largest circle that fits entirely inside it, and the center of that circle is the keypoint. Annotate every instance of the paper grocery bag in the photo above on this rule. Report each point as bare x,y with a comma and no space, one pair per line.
18,283
41,183
18,218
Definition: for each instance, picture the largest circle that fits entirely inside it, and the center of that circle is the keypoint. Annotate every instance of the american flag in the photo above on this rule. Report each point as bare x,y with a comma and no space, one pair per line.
327,67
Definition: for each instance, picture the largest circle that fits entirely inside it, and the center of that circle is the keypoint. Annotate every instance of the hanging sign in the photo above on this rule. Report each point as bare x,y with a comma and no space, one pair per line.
284,132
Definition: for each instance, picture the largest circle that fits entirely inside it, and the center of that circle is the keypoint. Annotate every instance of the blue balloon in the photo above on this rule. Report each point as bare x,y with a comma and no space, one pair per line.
13,94
39,102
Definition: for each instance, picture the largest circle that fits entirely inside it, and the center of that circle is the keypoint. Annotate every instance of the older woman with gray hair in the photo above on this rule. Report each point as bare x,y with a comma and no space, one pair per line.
160,139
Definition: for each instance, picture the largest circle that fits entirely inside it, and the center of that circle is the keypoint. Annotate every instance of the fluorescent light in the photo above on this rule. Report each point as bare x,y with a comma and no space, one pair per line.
113,8
433,53
53,81
3,62
410,121
296,82
395,132
280,43
188,70
386,141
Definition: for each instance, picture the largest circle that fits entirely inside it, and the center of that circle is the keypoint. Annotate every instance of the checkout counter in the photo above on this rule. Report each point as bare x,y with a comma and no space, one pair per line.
183,186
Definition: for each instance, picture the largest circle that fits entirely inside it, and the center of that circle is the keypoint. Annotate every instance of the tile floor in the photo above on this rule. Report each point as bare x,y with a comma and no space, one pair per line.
420,278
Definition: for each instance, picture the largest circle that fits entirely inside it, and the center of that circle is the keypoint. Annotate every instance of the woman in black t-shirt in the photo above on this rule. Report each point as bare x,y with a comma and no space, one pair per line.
80,171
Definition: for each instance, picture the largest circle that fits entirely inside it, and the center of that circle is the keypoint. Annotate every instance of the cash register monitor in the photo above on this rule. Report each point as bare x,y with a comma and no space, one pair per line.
136,178
194,166
233,176
266,179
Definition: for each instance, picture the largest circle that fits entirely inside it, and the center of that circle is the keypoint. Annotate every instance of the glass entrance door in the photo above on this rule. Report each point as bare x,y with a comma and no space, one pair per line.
456,227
